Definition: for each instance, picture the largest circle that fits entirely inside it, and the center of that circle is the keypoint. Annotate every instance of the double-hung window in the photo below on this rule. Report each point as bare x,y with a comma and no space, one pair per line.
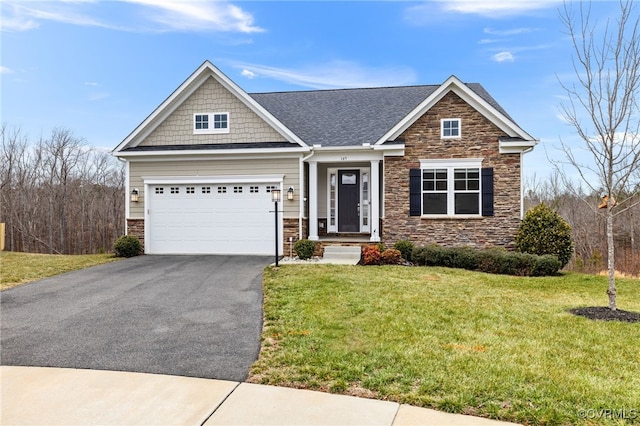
211,122
451,187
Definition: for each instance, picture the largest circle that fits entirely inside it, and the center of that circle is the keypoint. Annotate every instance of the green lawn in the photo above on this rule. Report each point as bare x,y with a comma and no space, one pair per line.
21,268
457,341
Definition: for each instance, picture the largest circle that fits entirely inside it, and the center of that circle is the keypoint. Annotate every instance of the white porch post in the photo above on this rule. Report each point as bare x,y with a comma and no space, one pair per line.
375,200
313,200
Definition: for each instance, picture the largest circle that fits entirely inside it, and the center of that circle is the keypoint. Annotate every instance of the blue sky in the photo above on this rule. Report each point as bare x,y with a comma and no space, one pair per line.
99,68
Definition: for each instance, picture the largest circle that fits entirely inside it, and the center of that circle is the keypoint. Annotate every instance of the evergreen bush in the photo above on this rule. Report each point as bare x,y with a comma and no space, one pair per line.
127,246
544,231
304,248
406,249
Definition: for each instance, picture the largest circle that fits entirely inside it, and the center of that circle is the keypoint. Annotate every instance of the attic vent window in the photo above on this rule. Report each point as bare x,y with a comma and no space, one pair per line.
210,123
450,128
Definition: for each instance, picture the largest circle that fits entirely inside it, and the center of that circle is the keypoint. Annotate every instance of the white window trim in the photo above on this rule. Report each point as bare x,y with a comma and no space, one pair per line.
450,164
211,130
458,136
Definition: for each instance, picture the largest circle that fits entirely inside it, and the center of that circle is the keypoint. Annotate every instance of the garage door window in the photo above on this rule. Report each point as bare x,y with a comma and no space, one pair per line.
222,190
237,189
159,190
175,190
206,190
191,189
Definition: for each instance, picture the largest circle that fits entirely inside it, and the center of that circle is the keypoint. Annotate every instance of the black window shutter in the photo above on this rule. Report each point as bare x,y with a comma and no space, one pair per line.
487,191
415,192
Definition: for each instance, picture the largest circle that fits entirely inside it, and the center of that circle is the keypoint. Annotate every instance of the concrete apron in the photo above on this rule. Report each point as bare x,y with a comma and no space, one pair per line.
57,396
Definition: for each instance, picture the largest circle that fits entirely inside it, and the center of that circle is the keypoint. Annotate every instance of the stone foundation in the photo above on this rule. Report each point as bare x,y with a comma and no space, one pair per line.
135,227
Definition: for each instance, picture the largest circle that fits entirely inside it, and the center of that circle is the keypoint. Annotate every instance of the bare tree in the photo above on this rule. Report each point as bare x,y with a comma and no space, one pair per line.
59,195
603,107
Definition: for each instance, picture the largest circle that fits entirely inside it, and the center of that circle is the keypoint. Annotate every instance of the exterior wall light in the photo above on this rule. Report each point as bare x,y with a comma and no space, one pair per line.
290,194
135,196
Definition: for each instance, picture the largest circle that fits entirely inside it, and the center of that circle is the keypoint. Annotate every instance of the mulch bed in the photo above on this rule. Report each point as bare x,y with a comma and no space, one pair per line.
603,313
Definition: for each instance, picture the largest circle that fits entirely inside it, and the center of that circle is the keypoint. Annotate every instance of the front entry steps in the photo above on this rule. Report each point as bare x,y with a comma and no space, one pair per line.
341,255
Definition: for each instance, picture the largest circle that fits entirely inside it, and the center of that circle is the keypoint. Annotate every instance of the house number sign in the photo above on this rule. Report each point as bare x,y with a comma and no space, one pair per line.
343,158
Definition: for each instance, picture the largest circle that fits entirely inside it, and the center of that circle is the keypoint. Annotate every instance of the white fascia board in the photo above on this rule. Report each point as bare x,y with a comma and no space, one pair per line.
211,153
454,84
190,85
167,180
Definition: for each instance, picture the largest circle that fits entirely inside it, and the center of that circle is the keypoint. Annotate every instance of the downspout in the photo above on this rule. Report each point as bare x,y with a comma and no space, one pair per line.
522,182
302,193
126,194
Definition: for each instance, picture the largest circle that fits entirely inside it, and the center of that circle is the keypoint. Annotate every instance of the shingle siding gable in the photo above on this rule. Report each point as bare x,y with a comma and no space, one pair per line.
244,125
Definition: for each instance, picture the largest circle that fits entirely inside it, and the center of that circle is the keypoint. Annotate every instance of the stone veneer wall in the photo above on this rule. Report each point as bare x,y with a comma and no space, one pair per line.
135,227
479,139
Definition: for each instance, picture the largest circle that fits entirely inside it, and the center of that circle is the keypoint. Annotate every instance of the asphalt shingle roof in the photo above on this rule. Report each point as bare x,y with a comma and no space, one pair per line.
349,117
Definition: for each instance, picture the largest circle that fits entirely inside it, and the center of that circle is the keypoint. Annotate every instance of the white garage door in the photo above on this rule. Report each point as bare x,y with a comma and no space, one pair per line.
228,218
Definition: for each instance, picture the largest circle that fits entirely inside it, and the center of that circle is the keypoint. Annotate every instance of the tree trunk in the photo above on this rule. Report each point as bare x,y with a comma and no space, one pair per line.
611,291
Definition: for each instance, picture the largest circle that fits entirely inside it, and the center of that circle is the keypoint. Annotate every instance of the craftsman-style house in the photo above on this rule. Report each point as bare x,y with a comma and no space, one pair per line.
435,163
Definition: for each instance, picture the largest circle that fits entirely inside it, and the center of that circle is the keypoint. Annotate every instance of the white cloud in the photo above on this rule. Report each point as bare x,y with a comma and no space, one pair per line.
17,23
27,15
91,83
248,74
504,57
200,15
5,70
156,15
336,74
513,31
496,8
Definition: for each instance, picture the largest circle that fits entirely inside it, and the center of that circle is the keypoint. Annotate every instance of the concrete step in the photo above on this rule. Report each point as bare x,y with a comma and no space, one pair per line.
341,254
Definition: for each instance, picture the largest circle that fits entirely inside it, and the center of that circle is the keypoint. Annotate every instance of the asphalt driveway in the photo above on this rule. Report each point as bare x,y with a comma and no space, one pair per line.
196,316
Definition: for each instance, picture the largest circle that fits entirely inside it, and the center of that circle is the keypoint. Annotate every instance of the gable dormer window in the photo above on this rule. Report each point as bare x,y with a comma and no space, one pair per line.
450,128
211,122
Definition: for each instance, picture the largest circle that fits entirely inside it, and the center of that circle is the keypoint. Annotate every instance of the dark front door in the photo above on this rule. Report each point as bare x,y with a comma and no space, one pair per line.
348,201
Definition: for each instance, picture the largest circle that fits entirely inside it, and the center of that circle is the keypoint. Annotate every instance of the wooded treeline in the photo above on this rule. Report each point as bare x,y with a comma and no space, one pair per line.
58,195
588,224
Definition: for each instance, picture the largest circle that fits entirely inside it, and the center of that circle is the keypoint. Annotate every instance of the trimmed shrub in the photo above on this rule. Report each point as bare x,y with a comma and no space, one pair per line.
371,255
464,258
391,257
431,255
127,246
546,265
493,261
406,248
544,231
304,248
